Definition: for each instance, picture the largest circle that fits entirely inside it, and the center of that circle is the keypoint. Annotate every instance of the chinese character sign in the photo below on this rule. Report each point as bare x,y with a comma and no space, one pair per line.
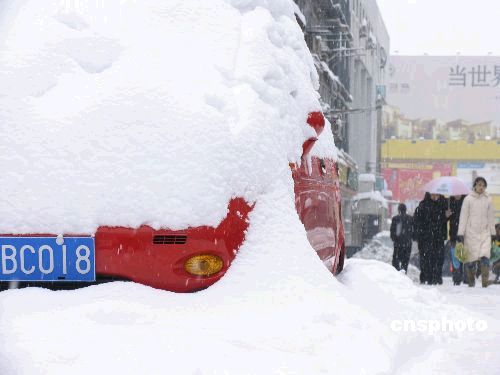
445,89
475,76
458,76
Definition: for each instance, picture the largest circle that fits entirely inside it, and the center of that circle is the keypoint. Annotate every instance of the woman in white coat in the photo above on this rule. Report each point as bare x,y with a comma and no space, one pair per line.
476,229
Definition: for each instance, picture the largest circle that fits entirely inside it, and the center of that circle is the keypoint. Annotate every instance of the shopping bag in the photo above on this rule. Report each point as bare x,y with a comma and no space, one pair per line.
461,252
454,260
495,252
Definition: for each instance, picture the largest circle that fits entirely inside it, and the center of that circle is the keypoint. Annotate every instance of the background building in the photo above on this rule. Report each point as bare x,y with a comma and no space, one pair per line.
326,30
442,119
369,53
461,91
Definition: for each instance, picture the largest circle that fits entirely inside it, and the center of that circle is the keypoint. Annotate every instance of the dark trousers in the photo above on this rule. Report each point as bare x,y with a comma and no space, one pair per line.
458,274
431,255
401,255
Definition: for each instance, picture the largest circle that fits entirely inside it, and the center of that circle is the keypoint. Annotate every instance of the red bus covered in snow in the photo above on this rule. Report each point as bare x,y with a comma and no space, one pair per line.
176,260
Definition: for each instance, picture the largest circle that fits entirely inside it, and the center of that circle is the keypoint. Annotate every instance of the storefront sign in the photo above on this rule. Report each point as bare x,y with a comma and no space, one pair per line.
406,183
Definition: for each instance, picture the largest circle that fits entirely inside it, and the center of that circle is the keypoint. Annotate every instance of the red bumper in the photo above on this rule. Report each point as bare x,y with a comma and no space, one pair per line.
156,257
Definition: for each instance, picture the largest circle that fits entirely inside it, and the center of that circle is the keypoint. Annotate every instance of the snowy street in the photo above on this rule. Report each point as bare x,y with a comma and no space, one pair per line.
485,301
463,354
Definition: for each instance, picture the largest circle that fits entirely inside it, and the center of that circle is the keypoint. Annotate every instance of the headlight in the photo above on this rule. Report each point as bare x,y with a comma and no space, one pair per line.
203,265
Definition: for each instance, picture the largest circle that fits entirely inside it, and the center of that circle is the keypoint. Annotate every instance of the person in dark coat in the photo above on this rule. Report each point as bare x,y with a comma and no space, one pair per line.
401,235
430,231
455,207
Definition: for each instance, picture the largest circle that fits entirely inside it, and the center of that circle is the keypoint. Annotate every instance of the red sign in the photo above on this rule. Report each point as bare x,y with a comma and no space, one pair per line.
406,183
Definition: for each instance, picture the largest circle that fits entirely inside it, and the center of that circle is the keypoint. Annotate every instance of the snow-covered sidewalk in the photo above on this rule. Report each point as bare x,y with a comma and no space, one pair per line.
483,300
344,327
474,353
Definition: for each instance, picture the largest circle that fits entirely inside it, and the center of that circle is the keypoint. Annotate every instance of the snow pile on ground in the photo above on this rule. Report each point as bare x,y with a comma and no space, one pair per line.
381,248
289,327
110,108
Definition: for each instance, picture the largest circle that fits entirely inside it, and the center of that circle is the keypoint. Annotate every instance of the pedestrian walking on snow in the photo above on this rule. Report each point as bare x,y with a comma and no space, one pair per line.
430,229
476,230
401,235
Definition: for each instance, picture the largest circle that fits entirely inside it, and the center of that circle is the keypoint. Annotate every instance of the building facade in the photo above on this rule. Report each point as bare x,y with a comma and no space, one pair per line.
367,64
326,30
442,119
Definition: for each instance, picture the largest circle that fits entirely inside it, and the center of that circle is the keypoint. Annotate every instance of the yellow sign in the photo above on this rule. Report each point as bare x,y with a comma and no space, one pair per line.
407,166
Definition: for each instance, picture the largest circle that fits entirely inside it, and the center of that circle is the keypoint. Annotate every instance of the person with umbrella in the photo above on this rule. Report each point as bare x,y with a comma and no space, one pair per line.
476,230
430,229
430,222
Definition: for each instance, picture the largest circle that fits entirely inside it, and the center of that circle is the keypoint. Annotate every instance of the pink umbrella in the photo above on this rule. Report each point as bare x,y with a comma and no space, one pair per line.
446,185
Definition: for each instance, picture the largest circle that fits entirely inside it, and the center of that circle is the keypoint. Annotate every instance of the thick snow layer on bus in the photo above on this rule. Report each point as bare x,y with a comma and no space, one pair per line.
325,147
158,112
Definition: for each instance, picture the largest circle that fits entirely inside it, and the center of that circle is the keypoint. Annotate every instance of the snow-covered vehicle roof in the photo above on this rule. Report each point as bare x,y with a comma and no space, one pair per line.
367,177
106,121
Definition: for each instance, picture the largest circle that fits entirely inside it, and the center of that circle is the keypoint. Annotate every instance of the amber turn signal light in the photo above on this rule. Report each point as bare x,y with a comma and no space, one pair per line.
203,265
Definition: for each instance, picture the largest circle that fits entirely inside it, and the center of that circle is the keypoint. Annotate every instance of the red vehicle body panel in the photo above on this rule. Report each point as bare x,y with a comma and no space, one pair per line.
317,200
156,257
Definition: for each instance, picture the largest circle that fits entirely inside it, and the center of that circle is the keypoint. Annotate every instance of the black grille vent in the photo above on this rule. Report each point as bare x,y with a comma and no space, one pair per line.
169,240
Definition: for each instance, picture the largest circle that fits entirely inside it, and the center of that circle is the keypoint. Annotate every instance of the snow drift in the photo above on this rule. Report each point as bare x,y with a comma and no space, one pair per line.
129,113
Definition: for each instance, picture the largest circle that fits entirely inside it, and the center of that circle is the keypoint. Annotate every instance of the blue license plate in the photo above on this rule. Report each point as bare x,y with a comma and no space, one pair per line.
47,259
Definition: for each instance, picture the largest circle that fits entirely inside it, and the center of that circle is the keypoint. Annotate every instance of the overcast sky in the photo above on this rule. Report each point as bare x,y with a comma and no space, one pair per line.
442,27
